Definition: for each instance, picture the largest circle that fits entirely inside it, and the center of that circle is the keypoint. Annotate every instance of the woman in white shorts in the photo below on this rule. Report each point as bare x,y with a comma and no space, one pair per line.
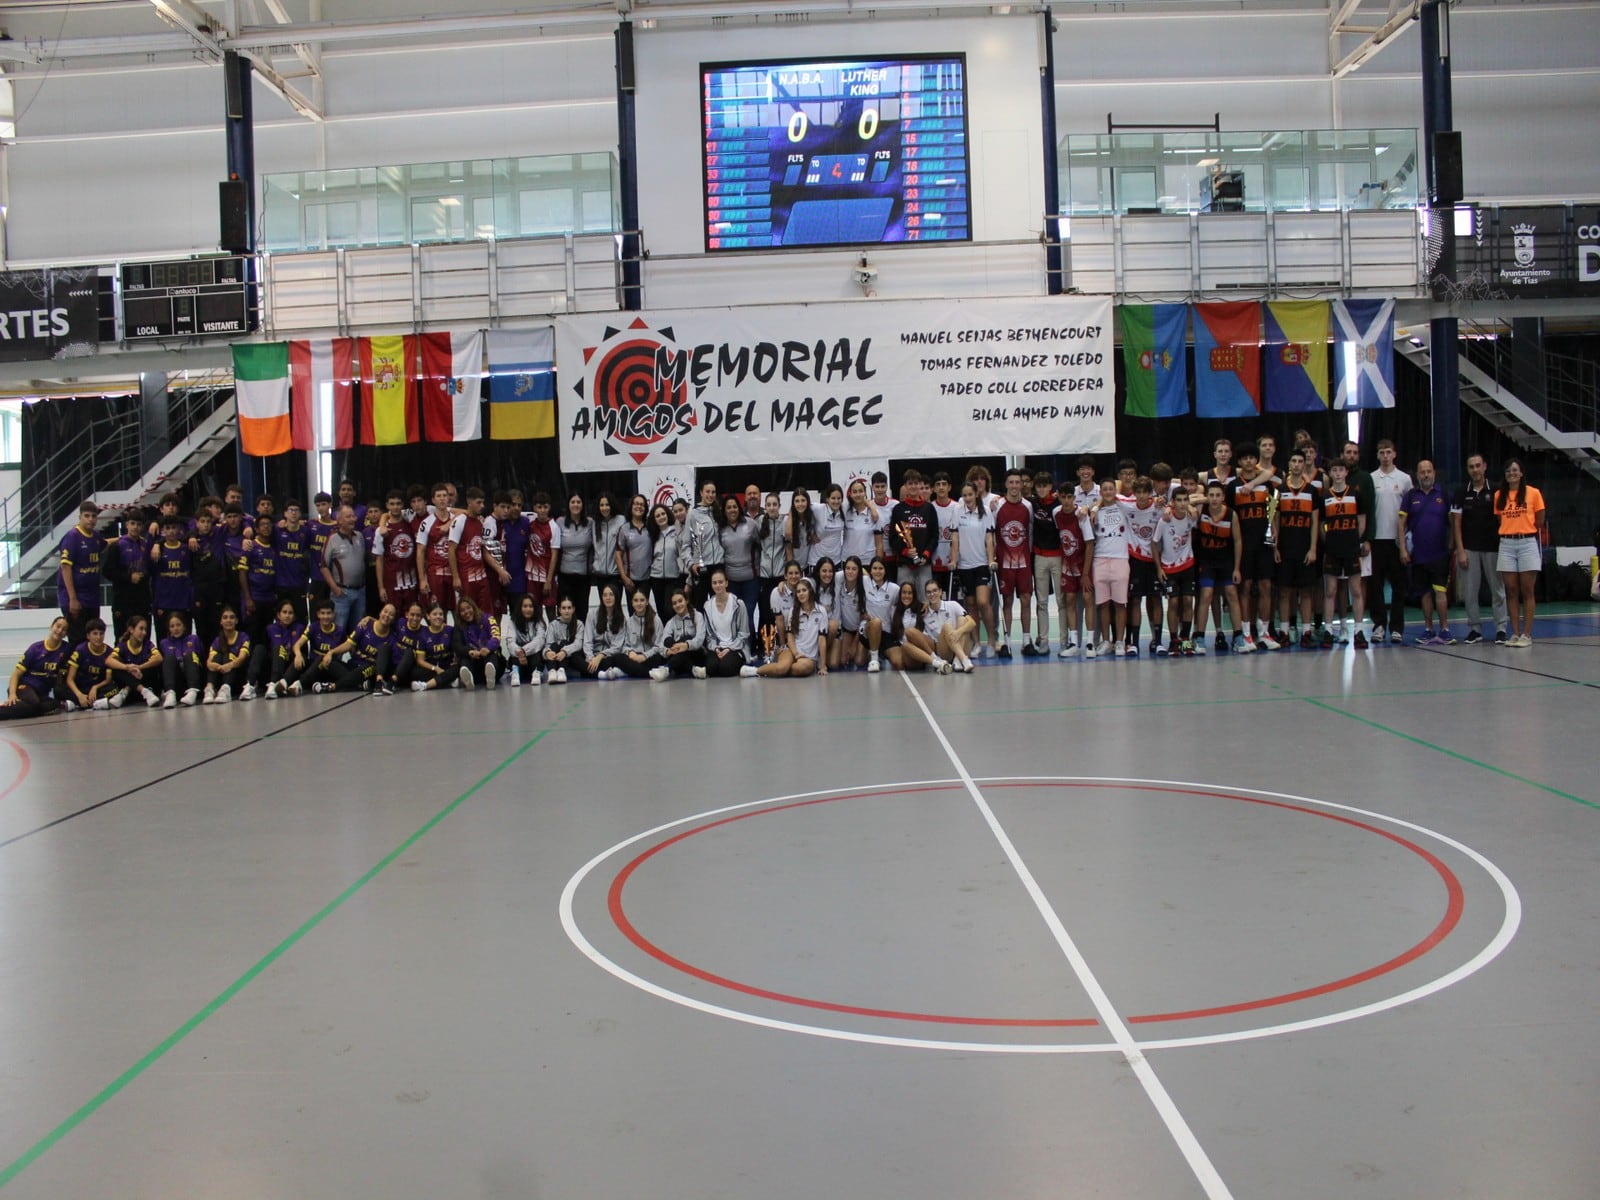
1521,512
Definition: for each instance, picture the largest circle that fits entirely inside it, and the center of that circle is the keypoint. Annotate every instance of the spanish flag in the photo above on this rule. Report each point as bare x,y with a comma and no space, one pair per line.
261,392
388,377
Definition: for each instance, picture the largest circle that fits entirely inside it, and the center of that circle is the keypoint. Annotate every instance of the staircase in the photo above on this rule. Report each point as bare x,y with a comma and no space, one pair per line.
1495,403
211,427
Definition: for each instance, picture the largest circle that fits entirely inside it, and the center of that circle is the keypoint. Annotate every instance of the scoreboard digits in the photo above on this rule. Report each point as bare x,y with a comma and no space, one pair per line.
188,297
835,152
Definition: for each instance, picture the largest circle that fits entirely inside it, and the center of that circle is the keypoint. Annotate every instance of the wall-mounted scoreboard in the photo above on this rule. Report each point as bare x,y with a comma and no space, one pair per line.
187,297
835,152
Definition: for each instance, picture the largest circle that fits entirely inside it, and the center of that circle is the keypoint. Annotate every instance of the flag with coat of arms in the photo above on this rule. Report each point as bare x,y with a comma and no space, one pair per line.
1153,337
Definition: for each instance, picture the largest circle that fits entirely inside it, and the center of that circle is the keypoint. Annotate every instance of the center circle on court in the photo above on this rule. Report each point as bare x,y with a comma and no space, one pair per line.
653,850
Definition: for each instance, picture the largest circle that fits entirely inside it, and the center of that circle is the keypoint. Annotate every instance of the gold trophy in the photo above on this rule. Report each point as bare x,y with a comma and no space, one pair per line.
1272,514
769,635
913,555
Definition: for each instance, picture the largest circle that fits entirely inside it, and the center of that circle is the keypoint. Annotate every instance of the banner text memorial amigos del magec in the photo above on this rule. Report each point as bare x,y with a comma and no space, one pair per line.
789,383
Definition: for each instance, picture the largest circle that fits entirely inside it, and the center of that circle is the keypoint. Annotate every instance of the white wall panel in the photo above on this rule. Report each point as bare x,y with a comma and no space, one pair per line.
1005,130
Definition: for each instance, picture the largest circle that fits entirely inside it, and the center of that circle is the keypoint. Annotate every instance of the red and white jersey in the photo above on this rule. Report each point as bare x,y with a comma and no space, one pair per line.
396,549
1142,524
1076,533
434,534
544,538
466,532
1013,535
1174,542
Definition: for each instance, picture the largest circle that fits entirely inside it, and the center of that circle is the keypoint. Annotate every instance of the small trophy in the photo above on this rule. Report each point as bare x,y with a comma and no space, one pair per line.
769,635
913,555
1272,513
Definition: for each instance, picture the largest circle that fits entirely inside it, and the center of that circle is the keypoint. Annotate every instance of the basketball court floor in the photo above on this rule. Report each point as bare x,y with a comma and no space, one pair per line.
1291,925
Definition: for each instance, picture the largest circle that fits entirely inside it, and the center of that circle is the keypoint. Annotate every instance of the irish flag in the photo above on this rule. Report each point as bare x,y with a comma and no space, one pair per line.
261,391
388,377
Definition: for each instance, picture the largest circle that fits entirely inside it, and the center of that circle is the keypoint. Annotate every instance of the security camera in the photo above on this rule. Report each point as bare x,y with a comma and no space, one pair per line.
866,274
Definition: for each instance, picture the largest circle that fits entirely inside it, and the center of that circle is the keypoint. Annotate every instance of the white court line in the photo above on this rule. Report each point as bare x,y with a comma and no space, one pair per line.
1188,1144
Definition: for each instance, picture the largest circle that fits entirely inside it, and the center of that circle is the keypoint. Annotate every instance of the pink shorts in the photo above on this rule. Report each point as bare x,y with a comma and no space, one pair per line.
1111,581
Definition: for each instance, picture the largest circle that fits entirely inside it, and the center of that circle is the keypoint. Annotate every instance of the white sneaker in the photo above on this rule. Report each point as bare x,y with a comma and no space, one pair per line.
945,668
101,705
150,698
964,665
467,681
1066,651
748,672
514,677
872,666
1091,650
418,685
189,698
170,700
1268,642
491,674
225,693
559,675
698,672
535,679
1247,646
210,696
938,664
118,699
296,688
319,689
247,692
72,705
659,674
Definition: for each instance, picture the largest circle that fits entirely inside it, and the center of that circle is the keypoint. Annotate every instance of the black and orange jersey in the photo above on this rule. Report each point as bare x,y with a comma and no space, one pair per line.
1213,540
1250,502
1297,512
1341,522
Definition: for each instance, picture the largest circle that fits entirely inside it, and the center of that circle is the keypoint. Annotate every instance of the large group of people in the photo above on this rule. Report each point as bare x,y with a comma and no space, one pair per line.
430,589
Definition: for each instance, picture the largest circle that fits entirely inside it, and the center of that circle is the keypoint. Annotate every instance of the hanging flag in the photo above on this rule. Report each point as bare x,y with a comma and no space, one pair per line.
261,395
1297,356
388,377
319,369
1227,359
1363,354
522,383
452,385
1153,337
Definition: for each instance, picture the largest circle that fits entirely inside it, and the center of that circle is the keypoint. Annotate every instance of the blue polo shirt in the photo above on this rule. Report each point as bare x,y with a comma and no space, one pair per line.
1427,523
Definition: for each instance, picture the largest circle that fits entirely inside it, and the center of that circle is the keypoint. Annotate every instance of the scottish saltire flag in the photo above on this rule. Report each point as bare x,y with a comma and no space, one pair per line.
1153,336
1363,354
1227,359
1296,377
522,383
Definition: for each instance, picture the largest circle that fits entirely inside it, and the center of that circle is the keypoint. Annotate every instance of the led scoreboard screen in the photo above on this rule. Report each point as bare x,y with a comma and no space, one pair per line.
838,152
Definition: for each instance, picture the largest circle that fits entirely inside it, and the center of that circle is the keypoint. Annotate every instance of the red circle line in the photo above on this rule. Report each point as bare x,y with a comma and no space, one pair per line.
22,773
1454,907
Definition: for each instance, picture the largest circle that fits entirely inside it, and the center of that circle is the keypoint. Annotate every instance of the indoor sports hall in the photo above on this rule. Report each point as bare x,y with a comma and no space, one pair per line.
802,321
1292,924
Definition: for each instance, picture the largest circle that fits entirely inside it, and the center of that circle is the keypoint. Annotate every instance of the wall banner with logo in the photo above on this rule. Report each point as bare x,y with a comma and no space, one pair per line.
664,484
49,314
1517,251
835,381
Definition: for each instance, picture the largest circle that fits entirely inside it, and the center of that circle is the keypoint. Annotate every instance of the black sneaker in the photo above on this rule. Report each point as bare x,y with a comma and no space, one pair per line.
1499,637
1473,637
1004,651
1030,650
1222,644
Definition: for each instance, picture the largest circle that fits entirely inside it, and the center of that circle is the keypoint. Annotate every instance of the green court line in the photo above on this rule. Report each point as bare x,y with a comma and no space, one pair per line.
44,1144
1456,754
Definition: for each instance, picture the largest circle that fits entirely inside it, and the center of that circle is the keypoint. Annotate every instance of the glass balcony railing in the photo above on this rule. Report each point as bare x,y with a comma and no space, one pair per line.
1312,170
473,199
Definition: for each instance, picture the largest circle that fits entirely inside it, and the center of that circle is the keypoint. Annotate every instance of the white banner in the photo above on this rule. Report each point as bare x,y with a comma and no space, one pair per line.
847,471
836,381
663,485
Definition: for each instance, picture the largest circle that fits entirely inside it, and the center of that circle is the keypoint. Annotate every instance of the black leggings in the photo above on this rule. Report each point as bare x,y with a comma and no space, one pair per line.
179,676
631,667
574,587
237,676
684,661
29,704
726,665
